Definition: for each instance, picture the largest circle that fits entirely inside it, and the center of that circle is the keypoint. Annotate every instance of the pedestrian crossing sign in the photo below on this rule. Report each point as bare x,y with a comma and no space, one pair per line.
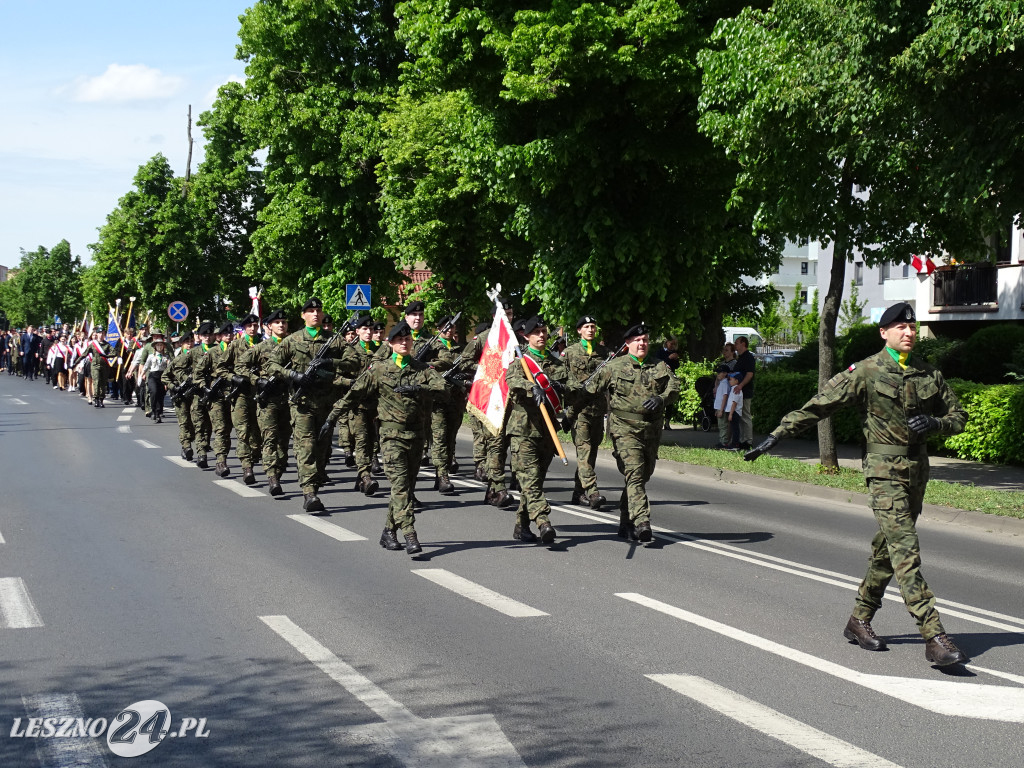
357,296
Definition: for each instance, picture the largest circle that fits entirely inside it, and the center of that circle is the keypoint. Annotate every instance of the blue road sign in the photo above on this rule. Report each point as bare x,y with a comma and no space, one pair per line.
357,296
177,311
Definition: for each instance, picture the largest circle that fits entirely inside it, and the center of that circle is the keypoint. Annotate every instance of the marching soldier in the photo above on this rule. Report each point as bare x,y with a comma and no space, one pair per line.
471,356
640,387
315,365
446,413
901,400
587,412
197,357
531,440
271,397
362,417
403,388
101,354
214,396
177,377
240,397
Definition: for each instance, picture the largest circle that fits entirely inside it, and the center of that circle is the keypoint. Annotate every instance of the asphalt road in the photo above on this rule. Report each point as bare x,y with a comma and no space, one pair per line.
125,577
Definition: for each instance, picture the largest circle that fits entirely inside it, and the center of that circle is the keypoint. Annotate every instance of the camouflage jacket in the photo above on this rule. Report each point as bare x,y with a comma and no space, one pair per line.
179,369
297,350
630,383
397,413
524,418
885,396
581,365
383,353
254,363
228,363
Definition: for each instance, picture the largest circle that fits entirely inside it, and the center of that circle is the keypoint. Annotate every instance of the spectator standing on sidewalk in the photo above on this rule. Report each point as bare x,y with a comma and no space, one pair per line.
722,390
745,365
668,353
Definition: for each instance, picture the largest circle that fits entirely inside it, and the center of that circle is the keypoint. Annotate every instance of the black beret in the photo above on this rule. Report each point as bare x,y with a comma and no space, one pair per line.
506,304
400,328
897,313
364,322
313,303
535,322
517,326
481,327
584,320
186,336
378,326
328,320
635,330
205,327
277,314
228,327
414,306
443,321
250,318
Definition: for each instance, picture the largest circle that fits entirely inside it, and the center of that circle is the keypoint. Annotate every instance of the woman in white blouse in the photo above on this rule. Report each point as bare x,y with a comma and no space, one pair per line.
152,370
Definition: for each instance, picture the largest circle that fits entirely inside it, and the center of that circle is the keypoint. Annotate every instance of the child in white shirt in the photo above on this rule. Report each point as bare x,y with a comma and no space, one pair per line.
734,409
721,400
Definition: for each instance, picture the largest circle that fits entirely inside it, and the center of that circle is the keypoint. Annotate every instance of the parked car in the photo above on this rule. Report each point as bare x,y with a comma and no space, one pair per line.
753,337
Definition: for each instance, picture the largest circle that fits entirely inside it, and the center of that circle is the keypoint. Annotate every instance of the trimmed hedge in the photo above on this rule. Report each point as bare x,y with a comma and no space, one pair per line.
994,431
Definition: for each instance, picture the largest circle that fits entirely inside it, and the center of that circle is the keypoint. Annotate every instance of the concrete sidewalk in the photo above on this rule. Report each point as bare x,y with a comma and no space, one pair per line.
995,476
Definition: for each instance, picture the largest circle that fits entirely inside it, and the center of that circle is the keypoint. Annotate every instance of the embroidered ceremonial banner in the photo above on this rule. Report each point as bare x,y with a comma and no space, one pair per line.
488,396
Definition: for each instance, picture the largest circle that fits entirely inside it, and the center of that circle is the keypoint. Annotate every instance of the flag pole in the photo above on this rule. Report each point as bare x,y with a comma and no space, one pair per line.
544,411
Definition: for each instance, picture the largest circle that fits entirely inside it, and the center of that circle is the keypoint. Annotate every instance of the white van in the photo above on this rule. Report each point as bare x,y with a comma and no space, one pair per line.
753,337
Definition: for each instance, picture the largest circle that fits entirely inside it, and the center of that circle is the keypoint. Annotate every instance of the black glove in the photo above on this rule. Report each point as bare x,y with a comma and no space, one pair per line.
324,374
538,395
922,425
326,430
653,404
566,423
407,389
768,443
262,384
559,387
297,378
238,381
464,378
172,391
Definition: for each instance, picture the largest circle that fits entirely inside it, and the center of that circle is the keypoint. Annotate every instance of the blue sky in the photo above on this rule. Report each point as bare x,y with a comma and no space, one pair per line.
92,90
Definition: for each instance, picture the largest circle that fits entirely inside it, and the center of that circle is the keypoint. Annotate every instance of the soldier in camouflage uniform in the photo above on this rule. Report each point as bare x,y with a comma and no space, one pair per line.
241,399
586,413
640,388
531,441
174,378
313,393
901,400
200,415
446,413
273,416
215,395
472,352
403,388
362,418
102,353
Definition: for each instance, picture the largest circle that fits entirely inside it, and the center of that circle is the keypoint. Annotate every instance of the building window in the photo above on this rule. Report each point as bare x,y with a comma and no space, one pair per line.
858,272
803,297
884,272
803,267
906,271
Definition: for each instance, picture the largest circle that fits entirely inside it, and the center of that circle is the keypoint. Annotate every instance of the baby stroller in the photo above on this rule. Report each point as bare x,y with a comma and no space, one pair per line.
704,417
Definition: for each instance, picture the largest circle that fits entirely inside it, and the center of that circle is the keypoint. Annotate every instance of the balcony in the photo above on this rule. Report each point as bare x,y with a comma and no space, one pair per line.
965,285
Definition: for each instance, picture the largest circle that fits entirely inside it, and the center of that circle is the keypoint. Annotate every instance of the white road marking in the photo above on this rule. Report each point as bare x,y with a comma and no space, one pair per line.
129,410
327,528
66,752
778,726
945,697
125,430
18,401
236,487
467,741
2,539
180,461
146,444
478,593
17,611
125,417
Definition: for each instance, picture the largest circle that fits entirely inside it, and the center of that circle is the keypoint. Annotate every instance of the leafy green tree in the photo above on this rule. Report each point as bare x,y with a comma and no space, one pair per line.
47,284
770,321
851,314
319,78
811,321
796,314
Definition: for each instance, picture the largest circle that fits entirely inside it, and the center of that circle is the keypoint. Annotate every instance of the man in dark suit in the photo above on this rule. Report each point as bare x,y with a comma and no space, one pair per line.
30,344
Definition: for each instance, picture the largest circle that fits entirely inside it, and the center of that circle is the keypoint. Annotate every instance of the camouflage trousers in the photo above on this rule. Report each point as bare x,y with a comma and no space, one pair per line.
896,551
186,429
220,422
275,423
402,450
531,456
635,448
243,417
445,420
203,426
100,376
346,435
362,423
497,455
479,441
310,452
587,434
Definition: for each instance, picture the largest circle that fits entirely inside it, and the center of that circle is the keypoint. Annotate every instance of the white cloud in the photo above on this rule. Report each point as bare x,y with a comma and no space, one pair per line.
134,82
211,95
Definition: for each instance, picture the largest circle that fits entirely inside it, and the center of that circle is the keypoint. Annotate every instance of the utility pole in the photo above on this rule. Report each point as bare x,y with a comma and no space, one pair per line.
188,163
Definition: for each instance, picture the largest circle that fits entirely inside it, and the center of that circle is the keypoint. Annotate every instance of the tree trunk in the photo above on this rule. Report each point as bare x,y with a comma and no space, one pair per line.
827,326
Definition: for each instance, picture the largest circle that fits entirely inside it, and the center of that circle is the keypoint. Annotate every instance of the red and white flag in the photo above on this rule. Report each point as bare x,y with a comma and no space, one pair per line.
257,304
488,396
925,265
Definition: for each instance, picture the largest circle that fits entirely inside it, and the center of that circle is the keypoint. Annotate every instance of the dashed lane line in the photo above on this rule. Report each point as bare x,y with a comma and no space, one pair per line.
236,487
66,752
147,444
180,461
478,593
327,528
125,430
17,611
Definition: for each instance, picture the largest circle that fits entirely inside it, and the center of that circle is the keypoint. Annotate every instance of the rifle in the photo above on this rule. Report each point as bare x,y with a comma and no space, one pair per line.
185,391
267,391
605,362
443,329
213,393
311,369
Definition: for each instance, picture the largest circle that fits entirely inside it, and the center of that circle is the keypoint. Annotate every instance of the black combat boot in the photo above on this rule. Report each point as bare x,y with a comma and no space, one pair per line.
350,460
595,500
453,468
941,651
201,462
547,533
861,633
222,469
523,533
186,454
412,544
644,532
375,467
367,485
274,486
626,528
311,503
445,486
248,476
389,541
